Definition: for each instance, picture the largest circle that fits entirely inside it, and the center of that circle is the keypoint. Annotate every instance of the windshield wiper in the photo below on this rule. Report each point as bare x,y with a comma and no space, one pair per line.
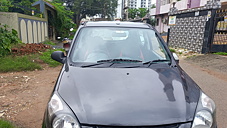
100,62
155,61
118,60
91,65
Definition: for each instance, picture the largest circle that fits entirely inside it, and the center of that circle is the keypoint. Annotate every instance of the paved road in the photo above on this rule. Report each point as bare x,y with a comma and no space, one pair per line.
214,85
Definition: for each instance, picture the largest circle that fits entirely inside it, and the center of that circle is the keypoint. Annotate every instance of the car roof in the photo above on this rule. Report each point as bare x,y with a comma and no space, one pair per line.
116,24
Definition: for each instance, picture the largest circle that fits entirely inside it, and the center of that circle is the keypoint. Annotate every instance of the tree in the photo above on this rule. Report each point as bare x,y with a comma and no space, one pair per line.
26,6
153,6
133,12
23,6
81,8
142,12
107,7
63,20
4,5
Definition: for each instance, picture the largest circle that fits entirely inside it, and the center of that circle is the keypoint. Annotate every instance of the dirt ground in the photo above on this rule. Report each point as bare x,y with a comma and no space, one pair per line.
24,95
210,73
213,64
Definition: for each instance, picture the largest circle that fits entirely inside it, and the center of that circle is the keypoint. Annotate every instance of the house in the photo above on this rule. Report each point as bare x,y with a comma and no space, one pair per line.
31,29
49,12
163,7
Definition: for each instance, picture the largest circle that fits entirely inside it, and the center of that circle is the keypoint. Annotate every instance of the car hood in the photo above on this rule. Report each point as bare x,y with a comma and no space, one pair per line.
129,96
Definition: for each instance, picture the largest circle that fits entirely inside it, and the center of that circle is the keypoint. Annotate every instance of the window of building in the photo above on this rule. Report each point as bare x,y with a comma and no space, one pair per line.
164,2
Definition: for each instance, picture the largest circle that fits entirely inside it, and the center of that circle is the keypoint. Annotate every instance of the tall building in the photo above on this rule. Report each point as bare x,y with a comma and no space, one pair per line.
124,4
139,3
120,10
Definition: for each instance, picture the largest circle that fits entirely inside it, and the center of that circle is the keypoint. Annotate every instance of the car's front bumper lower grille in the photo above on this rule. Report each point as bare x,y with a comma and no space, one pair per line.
183,125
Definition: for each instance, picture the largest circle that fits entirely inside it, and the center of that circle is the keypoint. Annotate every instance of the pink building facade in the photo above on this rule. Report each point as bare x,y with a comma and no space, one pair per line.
163,7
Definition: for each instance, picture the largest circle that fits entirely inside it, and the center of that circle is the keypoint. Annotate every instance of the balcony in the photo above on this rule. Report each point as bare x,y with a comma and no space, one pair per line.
164,8
153,11
182,5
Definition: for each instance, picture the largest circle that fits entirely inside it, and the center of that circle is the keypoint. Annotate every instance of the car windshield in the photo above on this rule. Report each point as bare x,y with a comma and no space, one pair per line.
131,45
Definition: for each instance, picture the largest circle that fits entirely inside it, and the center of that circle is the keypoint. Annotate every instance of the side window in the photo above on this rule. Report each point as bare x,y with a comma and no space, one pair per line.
157,47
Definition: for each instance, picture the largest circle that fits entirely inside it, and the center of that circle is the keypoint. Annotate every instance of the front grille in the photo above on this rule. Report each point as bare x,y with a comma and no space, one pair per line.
183,125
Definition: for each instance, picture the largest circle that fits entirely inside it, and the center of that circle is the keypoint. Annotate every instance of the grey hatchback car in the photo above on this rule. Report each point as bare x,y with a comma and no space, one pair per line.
122,74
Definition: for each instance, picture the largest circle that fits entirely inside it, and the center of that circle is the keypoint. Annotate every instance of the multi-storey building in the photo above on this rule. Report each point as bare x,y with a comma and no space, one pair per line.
124,4
163,7
140,3
120,10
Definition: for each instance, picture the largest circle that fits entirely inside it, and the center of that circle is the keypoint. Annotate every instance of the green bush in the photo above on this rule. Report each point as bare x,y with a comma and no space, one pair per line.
172,50
6,124
7,39
221,53
18,63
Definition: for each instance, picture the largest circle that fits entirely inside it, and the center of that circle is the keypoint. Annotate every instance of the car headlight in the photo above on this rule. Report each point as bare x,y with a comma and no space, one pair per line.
54,105
205,113
60,115
65,121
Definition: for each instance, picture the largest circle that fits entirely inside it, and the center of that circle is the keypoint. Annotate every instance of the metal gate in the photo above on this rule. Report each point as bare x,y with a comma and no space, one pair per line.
219,43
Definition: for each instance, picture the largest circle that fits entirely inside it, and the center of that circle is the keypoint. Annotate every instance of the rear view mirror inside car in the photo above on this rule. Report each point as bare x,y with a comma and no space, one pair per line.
119,34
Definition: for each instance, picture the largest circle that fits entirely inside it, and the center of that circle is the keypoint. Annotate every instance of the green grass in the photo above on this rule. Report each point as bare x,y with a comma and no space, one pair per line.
49,42
221,53
6,124
28,62
46,58
18,63
172,50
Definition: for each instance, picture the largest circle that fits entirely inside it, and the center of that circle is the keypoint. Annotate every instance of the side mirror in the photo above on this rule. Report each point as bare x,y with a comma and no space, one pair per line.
58,56
176,57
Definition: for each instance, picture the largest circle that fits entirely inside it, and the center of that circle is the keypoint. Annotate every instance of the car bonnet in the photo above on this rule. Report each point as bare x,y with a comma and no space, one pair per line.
129,96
